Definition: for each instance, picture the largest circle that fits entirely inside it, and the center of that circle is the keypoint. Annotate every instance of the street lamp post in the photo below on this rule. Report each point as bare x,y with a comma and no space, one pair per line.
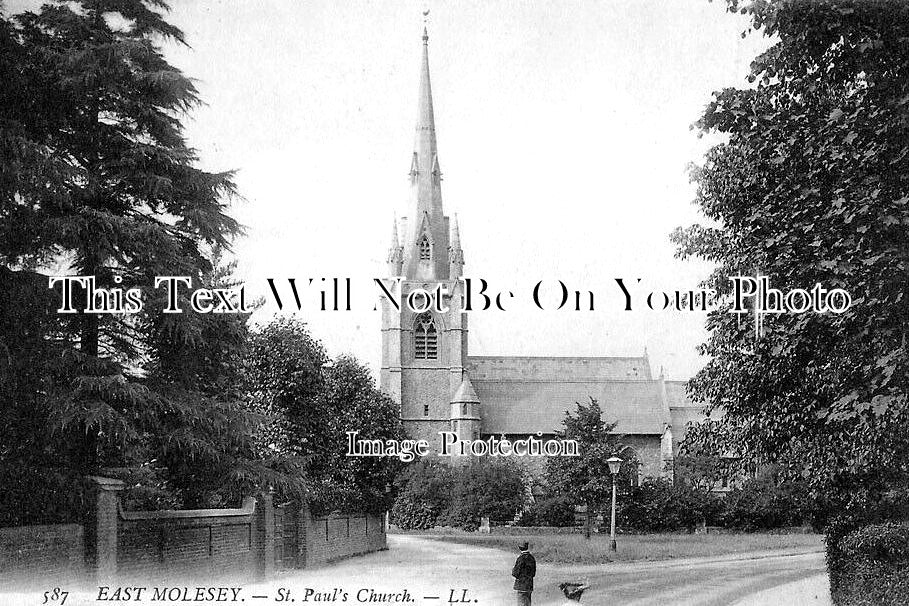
387,511
615,464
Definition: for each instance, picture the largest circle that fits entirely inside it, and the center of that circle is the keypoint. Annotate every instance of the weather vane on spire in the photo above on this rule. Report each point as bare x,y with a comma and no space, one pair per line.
426,23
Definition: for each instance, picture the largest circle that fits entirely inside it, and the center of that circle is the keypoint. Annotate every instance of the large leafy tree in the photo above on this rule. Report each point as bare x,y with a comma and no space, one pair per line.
587,479
96,175
354,403
312,402
812,185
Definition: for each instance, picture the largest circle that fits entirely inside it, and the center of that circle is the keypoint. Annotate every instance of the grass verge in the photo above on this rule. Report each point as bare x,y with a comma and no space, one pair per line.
574,549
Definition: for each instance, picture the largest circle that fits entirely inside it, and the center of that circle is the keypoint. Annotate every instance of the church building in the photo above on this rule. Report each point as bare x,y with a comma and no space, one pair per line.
427,369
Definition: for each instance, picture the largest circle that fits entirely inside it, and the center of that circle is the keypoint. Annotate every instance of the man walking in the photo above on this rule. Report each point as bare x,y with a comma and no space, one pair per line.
525,568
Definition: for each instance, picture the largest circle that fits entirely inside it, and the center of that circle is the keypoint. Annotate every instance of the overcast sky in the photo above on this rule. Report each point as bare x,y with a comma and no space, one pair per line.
564,139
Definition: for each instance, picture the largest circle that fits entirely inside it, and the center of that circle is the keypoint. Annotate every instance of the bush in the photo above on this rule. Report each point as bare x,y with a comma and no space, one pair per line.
550,511
424,490
868,566
433,493
658,506
488,488
763,503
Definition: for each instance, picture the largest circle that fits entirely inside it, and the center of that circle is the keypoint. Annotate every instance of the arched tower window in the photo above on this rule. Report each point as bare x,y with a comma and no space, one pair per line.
425,338
425,248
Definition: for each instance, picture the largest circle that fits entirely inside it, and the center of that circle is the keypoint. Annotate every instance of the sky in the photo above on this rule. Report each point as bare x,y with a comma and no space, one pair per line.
564,133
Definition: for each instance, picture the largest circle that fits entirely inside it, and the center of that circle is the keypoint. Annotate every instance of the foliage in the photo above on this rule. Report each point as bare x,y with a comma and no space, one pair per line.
868,566
355,404
555,511
812,186
283,380
433,493
766,501
586,479
311,404
423,494
97,178
39,496
658,506
702,472
491,488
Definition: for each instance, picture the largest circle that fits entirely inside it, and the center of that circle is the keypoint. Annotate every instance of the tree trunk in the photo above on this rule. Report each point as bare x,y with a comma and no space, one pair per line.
89,345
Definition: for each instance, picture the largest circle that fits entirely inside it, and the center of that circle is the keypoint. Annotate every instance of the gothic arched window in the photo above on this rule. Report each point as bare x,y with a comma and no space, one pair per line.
425,338
425,249
631,466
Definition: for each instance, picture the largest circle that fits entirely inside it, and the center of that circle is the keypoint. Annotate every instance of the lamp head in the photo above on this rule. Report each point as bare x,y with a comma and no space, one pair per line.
615,464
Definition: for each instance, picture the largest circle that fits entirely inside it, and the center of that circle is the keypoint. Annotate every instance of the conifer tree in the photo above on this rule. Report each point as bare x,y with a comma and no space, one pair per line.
96,175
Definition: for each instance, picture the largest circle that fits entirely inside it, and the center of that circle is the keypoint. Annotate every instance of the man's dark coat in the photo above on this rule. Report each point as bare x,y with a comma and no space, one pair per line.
525,568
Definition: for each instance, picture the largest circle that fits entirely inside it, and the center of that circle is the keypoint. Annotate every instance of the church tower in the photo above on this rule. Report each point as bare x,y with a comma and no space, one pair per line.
424,353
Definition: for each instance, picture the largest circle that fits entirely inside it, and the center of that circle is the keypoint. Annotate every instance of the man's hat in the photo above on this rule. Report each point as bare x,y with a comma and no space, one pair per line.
524,546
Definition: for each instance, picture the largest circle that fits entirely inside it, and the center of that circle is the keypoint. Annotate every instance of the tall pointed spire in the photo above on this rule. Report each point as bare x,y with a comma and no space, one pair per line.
425,171
426,239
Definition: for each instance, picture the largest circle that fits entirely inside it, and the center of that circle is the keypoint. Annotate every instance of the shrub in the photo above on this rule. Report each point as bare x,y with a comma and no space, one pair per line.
433,493
486,488
424,490
869,565
763,503
549,511
657,505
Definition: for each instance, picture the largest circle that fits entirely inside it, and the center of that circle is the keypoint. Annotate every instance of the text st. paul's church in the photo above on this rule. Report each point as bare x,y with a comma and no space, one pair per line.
426,367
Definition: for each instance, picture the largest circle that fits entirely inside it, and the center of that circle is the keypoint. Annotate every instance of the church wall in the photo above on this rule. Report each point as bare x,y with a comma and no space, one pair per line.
649,452
429,431
423,386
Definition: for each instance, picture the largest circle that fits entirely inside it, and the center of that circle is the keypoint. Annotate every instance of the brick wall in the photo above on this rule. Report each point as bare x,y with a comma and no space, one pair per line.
335,537
209,543
116,545
53,552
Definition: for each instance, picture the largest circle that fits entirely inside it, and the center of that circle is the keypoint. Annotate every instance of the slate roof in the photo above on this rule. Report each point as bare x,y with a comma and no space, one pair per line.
555,368
529,394
465,392
523,407
676,396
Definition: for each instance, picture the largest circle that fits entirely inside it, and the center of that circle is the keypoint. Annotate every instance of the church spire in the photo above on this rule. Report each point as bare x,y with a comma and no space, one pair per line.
426,240
425,171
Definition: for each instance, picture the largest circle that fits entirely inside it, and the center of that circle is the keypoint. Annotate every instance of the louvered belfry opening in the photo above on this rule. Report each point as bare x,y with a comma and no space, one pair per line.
425,338
425,249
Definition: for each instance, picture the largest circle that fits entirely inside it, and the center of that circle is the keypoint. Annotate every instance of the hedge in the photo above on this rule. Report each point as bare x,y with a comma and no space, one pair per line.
555,512
868,566
659,506
432,493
